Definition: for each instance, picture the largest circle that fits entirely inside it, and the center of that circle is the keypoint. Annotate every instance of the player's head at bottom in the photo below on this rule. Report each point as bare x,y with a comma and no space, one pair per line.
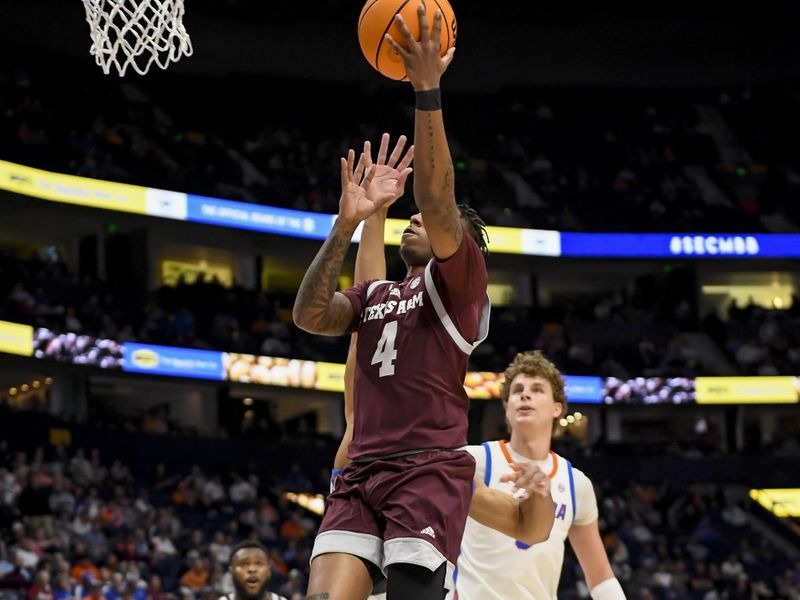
250,569
415,245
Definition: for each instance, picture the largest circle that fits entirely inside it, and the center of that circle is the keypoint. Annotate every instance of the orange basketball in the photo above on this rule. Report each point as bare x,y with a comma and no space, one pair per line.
377,19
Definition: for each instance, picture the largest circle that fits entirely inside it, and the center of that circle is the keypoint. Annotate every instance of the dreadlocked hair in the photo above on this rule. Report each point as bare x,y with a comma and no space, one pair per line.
477,226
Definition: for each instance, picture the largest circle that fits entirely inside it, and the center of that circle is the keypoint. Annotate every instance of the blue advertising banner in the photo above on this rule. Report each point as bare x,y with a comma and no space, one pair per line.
267,219
584,389
176,362
84,191
679,245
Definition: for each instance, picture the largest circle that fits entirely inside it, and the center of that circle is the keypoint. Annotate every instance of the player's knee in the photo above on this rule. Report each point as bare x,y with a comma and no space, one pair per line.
412,581
339,576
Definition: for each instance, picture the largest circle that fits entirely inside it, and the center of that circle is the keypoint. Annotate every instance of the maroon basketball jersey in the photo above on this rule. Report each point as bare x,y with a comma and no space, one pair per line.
414,341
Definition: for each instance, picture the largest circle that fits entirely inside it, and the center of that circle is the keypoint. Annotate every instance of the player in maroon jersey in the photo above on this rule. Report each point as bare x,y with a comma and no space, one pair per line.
530,519
402,504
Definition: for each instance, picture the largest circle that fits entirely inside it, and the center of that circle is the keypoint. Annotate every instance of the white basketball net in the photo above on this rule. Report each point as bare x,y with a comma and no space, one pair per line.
137,33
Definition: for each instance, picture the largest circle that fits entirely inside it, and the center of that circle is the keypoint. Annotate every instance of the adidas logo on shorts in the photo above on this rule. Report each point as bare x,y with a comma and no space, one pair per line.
429,531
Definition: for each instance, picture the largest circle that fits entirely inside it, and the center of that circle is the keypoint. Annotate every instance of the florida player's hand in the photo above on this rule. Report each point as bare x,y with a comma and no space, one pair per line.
355,204
391,172
529,479
423,60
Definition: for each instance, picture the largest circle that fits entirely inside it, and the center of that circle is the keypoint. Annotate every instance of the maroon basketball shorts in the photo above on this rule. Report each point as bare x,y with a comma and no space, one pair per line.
410,509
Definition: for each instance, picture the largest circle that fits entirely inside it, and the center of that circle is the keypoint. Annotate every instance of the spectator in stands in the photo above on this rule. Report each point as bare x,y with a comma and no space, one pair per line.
41,589
196,578
63,588
242,491
84,569
16,578
213,492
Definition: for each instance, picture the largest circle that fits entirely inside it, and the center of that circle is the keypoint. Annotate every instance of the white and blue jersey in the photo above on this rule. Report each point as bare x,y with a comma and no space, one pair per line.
493,566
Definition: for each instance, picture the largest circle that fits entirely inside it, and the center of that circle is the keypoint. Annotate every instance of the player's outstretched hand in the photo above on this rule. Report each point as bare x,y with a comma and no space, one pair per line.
529,478
391,172
356,204
423,60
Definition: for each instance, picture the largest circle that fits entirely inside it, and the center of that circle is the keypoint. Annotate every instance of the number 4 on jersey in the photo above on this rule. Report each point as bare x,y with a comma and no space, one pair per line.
385,353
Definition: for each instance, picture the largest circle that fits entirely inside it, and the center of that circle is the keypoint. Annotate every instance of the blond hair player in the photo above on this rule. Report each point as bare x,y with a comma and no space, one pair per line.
494,566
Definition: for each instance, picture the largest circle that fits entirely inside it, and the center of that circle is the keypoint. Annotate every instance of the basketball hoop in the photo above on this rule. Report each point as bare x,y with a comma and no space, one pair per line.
137,33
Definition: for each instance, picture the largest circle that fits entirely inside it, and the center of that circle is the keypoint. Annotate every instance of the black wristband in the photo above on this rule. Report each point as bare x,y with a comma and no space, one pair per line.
429,100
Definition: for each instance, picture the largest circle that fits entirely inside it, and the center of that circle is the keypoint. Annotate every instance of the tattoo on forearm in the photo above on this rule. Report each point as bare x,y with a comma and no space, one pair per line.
438,202
319,596
447,185
430,141
449,219
319,283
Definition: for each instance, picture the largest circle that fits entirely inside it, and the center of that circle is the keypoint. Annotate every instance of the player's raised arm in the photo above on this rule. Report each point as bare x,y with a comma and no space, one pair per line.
434,185
371,259
319,308
370,264
529,520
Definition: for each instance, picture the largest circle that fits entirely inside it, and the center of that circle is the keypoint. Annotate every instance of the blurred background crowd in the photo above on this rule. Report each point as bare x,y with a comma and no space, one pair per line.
78,524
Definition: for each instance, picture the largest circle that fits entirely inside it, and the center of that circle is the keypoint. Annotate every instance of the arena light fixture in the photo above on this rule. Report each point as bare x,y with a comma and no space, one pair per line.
782,503
313,502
